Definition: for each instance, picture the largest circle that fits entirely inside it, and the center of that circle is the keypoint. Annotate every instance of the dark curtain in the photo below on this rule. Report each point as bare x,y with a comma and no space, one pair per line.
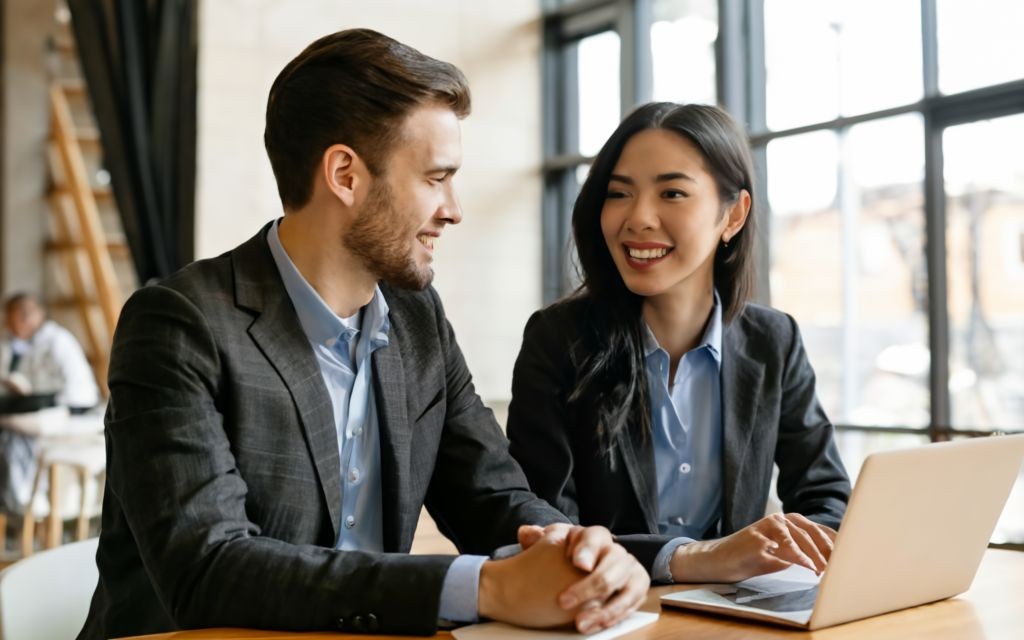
139,61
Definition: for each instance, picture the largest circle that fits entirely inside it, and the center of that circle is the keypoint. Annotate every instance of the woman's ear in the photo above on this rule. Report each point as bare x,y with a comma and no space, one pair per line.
736,216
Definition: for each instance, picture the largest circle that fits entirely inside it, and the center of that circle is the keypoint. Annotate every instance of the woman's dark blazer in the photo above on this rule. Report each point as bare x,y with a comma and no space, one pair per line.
770,414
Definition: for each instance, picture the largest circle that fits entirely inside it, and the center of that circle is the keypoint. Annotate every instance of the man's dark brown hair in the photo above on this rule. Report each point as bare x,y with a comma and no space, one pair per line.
354,87
16,301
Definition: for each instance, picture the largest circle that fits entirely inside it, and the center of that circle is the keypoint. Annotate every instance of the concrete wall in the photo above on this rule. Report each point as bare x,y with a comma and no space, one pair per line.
26,128
488,268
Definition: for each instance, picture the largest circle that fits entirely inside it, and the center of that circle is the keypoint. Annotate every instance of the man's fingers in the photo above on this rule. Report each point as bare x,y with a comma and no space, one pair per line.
573,539
608,576
588,545
598,618
624,602
587,615
559,532
528,534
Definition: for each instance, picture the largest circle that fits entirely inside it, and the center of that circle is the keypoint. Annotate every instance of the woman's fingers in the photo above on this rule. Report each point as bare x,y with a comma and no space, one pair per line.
824,537
769,560
807,546
778,529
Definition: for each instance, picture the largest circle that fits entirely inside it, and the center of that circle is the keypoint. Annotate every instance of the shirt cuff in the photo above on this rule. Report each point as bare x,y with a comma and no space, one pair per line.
461,589
661,572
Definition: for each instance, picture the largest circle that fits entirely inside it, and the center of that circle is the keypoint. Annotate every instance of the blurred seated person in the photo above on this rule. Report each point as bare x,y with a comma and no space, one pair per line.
41,365
38,356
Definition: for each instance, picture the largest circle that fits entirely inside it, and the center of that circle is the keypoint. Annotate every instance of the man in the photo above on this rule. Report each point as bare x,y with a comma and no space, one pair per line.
42,357
41,364
280,414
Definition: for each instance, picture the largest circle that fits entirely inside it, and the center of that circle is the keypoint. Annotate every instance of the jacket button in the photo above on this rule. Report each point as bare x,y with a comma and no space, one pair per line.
372,624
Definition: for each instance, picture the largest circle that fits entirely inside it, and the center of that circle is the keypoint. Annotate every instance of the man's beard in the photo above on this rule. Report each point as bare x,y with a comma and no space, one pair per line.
377,237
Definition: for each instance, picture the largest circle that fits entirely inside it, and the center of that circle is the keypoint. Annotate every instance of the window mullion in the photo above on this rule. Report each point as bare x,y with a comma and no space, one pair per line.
935,258
929,48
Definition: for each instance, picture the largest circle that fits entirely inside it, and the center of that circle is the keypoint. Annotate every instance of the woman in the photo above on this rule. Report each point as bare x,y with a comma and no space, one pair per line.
655,400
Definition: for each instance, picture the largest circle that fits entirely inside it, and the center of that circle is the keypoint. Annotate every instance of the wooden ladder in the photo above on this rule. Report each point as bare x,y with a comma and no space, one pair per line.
78,233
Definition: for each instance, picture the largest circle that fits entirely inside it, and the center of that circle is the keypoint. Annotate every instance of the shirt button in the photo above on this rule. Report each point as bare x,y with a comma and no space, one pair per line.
684,468
350,522
353,476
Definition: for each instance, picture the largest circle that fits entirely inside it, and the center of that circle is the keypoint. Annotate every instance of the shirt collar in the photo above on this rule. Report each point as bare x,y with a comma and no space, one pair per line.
711,340
318,321
19,346
22,346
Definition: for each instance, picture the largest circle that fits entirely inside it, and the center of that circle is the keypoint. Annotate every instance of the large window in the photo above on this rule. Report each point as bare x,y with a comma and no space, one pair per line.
886,135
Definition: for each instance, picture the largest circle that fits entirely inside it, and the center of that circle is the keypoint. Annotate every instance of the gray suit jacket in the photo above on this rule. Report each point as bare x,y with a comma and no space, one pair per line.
770,414
223,487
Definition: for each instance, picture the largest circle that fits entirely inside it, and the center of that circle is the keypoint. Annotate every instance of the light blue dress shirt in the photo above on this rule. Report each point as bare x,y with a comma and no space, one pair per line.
343,347
686,420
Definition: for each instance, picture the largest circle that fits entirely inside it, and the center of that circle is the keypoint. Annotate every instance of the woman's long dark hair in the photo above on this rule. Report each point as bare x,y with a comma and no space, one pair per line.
611,376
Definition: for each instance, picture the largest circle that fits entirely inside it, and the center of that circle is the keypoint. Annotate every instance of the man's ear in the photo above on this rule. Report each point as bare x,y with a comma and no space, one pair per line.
344,172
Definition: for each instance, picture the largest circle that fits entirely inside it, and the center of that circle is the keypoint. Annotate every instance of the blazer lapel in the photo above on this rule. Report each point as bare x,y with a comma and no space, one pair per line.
278,334
638,457
742,378
395,440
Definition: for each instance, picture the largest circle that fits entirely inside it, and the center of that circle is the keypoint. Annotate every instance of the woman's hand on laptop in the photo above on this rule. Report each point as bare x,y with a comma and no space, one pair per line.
771,544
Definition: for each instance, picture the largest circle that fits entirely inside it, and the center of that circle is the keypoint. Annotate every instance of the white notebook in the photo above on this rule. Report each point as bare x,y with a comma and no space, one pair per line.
502,631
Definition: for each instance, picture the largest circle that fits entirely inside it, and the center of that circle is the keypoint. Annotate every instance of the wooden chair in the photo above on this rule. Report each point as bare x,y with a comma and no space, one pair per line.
86,460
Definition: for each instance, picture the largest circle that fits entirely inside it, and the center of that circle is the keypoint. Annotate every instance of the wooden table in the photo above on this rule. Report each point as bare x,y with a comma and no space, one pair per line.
992,609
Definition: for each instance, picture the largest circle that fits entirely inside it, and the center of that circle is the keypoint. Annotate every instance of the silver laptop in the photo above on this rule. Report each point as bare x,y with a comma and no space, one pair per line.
917,525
